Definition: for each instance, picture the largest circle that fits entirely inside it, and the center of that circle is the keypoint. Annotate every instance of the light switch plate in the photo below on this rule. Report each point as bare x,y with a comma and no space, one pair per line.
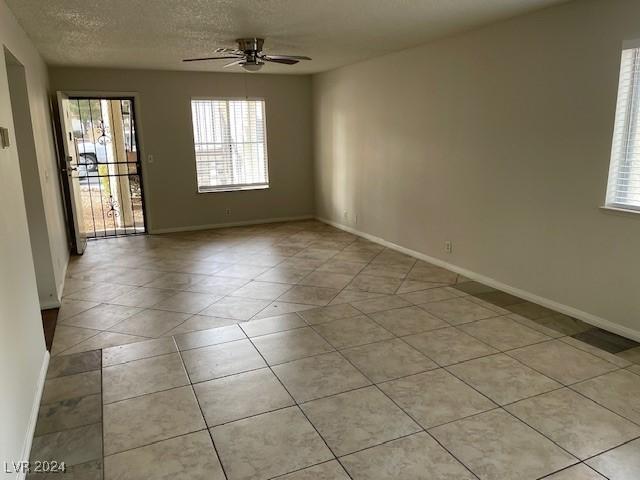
4,137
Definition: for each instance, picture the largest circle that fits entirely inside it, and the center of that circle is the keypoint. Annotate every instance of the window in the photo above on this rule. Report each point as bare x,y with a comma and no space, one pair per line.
230,144
623,188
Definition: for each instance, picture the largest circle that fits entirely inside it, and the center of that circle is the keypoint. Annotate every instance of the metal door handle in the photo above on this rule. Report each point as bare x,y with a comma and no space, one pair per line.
69,160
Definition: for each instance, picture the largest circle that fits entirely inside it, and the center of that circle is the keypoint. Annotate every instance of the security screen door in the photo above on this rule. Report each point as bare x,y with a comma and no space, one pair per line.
106,184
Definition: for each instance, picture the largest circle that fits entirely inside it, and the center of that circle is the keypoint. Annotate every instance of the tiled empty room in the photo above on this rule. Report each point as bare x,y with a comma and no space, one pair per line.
304,240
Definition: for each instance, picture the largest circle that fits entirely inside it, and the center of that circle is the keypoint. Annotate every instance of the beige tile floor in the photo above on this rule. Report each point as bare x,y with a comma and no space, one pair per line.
298,351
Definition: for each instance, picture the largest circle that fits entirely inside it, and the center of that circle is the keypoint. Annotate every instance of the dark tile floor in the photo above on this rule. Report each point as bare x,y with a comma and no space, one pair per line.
597,337
69,426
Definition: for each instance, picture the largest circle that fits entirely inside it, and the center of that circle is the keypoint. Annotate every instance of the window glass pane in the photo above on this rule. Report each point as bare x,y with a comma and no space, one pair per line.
230,144
623,189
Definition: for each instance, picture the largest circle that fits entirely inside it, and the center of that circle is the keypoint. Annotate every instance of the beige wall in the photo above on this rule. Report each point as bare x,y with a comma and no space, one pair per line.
31,183
498,140
22,350
164,113
37,159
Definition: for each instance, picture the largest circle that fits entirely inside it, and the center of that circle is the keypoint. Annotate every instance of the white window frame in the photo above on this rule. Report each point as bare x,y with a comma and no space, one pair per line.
627,121
231,187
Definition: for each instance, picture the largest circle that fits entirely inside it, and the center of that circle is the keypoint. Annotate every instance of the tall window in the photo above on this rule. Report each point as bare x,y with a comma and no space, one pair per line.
623,189
230,144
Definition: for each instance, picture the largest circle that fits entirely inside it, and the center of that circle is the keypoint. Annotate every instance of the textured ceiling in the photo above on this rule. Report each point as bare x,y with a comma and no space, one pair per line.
159,33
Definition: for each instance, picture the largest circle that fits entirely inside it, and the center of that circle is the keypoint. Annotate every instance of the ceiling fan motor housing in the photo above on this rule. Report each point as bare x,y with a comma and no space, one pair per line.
250,45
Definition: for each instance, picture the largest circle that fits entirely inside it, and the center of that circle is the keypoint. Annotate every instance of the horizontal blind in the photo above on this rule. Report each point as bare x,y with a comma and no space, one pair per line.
230,144
623,189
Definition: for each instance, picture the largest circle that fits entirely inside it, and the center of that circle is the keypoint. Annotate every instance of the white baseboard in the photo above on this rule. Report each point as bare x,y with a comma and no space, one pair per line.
35,408
589,318
211,226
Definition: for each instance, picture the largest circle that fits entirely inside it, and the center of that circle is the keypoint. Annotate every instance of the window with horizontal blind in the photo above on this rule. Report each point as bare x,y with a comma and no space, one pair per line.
623,188
230,144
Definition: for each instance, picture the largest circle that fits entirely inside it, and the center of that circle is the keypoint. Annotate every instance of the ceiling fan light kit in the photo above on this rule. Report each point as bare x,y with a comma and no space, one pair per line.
249,55
252,67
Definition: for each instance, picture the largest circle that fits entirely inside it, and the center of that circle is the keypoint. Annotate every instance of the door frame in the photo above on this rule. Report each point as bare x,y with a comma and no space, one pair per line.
68,154
135,97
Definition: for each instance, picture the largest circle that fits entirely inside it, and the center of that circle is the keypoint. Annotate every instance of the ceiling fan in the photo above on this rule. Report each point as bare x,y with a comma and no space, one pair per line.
249,55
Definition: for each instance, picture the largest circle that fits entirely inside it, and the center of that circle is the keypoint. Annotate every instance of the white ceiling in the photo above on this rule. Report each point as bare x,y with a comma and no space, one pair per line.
157,34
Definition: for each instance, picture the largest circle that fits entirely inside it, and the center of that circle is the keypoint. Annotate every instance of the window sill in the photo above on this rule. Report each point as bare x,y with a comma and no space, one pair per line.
620,211
233,189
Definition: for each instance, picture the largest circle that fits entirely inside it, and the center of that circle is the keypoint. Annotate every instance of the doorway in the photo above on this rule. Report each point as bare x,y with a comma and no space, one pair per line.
32,188
108,166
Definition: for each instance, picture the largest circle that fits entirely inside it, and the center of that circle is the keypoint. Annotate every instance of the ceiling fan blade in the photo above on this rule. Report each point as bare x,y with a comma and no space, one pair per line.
233,51
286,61
221,57
292,57
237,62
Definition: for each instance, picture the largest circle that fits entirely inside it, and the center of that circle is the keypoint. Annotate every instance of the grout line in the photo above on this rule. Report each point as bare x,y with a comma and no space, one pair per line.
635,422
411,417
471,386
60,353
502,407
141,358
609,450
573,466
566,385
162,390
204,419
300,409
65,429
239,242
280,475
68,429
154,442
510,354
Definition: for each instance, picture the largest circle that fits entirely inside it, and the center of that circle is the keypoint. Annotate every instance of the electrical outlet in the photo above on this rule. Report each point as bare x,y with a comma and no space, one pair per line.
448,246
4,138
355,219
227,211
